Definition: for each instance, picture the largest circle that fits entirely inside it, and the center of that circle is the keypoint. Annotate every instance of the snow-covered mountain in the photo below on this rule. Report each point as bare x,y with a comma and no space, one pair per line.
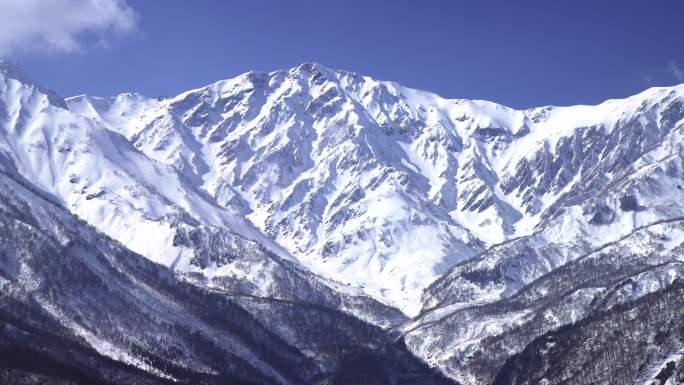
383,187
329,190
611,236
102,178
77,307
149,206
310,156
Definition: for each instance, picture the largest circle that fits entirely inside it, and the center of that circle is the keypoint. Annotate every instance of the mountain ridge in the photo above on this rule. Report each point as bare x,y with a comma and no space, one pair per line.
490,125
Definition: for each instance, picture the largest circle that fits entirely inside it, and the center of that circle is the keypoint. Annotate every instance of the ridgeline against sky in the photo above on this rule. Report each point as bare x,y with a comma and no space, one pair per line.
520,53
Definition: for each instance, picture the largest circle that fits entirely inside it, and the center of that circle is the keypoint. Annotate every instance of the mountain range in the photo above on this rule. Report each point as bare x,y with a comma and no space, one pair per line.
316,226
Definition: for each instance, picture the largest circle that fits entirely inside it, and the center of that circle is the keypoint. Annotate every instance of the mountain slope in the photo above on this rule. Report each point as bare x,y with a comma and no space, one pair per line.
296,195
381,186
77,307
151,207
636,343
471,342
622,217
307,159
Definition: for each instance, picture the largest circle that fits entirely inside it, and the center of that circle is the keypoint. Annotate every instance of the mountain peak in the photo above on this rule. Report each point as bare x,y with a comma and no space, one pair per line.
314,69
12,70
311,66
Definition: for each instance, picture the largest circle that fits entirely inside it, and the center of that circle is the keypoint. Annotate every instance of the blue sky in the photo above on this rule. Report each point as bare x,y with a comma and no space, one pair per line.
521,53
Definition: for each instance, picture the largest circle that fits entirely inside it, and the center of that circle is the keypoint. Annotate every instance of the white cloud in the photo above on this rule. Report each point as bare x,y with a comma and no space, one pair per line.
676,71
55,25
